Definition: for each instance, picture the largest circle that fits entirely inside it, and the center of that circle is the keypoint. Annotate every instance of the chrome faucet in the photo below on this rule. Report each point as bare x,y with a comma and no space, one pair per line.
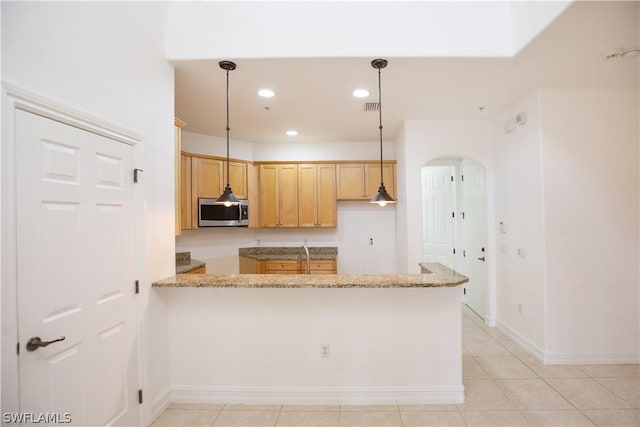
306,250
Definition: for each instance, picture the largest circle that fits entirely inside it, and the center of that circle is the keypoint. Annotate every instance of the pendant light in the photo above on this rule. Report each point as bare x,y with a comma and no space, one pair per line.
382,197
227,198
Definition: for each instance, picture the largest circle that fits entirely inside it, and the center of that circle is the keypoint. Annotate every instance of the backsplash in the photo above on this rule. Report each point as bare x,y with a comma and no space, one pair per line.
358,222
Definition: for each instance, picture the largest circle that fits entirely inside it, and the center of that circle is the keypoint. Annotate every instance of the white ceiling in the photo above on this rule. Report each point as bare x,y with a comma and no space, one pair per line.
314,97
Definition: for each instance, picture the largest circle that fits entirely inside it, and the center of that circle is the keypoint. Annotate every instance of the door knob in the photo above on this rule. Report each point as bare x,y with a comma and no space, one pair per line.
481,259
35,343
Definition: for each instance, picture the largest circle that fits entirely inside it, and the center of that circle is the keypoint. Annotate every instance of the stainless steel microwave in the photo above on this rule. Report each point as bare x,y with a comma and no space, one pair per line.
212,214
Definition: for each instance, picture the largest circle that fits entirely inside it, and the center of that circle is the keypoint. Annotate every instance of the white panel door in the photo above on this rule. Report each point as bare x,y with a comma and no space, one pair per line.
474,236
437,218
75,252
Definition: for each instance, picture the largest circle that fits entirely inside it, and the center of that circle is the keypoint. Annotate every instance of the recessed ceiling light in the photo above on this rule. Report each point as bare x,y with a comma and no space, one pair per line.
292,132
266,93
360,93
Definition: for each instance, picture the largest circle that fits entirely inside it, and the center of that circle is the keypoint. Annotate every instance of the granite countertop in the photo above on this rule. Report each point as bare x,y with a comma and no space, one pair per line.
434,275
185,264
288,252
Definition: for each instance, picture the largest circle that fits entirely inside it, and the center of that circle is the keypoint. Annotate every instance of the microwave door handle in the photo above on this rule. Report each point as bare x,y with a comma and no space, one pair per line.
239,212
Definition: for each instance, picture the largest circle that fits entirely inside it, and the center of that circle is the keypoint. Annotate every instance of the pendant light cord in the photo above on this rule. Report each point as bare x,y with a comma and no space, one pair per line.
380,125
228,129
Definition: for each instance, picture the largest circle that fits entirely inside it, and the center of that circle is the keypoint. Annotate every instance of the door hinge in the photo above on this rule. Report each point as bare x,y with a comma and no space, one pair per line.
451,178
462,178
453,214
136,173
454,251
140,396
18,348
137,286
464,291
462,213
464,253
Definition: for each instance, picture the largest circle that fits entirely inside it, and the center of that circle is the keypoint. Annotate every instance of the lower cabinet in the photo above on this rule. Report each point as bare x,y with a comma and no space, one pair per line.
286,266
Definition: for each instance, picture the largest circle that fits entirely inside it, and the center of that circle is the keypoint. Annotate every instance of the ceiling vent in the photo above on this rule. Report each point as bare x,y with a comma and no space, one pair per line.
371,106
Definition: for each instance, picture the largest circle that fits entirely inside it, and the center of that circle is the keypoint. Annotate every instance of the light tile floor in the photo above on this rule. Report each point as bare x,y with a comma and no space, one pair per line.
504,386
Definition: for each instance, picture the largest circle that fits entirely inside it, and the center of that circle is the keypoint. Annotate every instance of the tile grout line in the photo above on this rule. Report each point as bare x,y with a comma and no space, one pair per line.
613,391
278,416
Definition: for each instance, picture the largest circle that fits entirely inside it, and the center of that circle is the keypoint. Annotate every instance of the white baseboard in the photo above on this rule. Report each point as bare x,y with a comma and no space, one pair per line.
159,405
535,351
491,322
319,396
570,358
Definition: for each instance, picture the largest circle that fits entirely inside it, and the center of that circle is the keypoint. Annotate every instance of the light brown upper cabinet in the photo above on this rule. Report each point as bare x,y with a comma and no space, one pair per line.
237,178
185,192
361,180
317,195
178,125
206,176
278,185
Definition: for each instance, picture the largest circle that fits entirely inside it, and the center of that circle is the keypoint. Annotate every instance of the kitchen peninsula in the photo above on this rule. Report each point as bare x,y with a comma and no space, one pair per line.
341,339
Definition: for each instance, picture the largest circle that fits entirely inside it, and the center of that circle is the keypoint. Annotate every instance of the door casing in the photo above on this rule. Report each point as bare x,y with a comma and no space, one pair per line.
17,98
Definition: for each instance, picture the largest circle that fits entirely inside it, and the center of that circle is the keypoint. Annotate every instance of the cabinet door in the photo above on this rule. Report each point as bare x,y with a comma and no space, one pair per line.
351,181
307,195
288,195
178,174
323,266
326,205
209,177
373,179
268,175
282,266
185,192
206,181
237,178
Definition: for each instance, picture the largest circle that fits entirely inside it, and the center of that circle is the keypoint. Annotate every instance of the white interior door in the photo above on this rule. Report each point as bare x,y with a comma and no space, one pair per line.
474,235
75,252
437,218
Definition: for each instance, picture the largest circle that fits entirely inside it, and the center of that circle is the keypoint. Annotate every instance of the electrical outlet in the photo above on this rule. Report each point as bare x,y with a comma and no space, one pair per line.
325,351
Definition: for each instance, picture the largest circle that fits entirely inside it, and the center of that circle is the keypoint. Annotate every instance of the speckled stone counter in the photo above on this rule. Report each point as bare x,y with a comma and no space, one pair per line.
185,264
287,252
435,275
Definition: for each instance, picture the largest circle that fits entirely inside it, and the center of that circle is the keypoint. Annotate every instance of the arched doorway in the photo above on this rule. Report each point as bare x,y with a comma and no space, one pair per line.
454,223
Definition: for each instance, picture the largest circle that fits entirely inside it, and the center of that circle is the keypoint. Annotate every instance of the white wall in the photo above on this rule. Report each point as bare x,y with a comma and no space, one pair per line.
423,141
204,30
529,18
107,60
519,206
357,221
263,345
295,151
215,146
590,169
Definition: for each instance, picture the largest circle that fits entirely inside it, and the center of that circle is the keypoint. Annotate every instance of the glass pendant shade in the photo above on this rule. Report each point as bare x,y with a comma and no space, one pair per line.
382,198
227,198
